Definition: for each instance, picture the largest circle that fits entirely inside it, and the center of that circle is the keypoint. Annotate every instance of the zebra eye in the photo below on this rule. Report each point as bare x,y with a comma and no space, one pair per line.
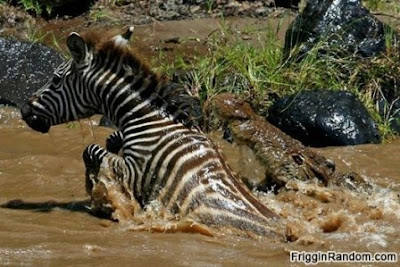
56,79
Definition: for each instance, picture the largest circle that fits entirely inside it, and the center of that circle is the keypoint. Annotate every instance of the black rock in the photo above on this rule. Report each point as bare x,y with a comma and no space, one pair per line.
5,102
287,3
192,2
55,8
24,68
340,26
324,118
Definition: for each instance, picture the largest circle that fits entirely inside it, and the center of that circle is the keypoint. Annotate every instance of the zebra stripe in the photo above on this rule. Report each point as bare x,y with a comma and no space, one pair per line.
163,158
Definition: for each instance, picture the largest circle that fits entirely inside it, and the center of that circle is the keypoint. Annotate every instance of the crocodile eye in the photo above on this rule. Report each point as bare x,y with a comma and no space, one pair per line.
298,158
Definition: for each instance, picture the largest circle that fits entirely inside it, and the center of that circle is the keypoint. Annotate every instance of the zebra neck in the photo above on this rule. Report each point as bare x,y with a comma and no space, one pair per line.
131,97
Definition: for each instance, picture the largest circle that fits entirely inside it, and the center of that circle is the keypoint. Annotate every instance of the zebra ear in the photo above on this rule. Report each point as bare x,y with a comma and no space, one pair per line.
77,47
123,39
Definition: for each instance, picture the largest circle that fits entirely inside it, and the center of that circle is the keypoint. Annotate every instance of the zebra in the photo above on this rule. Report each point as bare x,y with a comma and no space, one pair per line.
165,156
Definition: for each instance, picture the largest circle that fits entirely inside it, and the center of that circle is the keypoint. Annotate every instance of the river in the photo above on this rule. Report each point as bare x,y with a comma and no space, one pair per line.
44,219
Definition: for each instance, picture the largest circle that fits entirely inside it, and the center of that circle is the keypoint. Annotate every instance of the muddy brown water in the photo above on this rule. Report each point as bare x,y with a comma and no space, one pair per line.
44,219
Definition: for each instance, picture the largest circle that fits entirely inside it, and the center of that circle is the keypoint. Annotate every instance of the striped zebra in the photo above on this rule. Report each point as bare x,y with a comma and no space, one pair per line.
164,156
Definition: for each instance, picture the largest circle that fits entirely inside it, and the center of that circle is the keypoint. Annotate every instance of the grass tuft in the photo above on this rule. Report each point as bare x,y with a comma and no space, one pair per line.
258,72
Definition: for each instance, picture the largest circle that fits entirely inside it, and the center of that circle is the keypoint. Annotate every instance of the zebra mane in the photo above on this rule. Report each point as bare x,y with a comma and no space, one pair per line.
108,44
179,103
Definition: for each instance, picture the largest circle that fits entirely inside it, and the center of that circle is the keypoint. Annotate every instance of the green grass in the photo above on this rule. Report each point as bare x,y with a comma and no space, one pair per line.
72,125
258,73
210,5
382,5
103,15
374,4
35,35
37,7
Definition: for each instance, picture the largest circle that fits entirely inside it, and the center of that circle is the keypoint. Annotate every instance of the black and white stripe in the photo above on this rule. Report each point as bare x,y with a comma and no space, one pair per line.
163,157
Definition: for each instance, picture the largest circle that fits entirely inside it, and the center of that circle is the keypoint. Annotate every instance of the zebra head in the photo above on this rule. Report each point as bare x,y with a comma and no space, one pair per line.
66,96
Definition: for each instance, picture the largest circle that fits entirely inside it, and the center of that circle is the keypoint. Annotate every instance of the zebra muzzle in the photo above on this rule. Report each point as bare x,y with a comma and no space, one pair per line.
36,122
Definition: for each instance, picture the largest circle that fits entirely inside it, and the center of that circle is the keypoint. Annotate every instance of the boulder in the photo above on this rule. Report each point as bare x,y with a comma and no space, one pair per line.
55,8
287,3
322,118
341,27
24,68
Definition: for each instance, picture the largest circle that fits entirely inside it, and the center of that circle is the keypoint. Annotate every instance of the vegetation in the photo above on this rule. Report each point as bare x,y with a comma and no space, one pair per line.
36,35
257,71
36,7
97,15
382,5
